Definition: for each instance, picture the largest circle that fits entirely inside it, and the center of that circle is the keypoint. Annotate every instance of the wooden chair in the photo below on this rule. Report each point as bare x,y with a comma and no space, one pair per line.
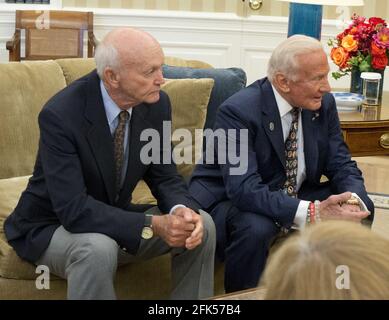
51,35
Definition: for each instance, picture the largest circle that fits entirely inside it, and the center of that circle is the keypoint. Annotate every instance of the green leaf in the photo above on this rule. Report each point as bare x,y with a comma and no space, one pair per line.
338,74
365,65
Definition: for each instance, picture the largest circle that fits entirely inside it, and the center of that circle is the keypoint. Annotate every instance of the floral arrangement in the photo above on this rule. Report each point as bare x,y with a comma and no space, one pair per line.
363,46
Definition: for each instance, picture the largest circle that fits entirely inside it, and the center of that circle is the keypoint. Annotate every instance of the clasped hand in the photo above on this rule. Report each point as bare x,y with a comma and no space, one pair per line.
182,228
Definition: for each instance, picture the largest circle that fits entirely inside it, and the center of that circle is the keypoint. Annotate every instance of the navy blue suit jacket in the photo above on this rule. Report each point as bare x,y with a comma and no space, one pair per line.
259,190
73,183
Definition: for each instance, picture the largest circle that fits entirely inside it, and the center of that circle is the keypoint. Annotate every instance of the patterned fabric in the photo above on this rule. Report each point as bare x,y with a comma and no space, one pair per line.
119,146
291,156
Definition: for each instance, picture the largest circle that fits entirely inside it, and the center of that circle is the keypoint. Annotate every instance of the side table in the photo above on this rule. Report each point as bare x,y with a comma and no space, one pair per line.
366,132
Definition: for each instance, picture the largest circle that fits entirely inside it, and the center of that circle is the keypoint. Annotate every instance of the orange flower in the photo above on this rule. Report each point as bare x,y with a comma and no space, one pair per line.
376,50
339,56
349,43
353,30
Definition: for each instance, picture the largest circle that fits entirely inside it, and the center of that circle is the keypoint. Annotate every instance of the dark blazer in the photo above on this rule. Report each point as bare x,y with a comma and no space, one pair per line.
73,183
259,189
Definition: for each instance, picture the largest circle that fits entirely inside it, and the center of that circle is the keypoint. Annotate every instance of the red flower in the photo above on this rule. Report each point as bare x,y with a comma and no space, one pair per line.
375,21
379,62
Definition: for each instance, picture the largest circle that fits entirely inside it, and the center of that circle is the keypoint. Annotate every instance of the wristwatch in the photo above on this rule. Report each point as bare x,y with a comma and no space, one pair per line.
357,202
147,231
353,201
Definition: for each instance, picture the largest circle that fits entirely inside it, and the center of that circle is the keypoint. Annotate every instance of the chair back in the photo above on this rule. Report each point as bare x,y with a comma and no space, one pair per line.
52,34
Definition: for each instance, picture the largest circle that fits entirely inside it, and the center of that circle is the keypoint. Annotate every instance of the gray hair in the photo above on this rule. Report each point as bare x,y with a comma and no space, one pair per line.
106,55
283,58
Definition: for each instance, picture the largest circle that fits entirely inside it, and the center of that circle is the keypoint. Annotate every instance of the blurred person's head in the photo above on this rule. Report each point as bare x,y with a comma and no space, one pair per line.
330,260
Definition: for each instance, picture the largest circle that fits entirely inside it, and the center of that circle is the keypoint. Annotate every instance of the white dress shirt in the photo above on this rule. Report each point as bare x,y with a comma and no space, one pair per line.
286,121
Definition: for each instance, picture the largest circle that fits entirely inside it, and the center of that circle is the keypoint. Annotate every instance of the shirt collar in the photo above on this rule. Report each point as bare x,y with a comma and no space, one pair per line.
111,108
283,106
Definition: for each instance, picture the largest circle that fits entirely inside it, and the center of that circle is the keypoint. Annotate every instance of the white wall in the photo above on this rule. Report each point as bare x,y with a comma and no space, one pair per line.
221,39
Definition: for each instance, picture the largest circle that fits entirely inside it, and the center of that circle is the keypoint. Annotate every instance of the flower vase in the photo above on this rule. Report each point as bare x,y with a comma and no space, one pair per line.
356,81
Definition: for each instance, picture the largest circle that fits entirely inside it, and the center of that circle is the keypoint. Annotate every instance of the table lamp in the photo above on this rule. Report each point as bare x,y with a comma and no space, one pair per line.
305,16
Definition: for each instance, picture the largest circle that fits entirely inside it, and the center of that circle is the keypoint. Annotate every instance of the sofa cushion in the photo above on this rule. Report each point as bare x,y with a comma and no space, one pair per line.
11,266
10,191
24,89
187,97
189,100
142,194
178,62
227,82
76,68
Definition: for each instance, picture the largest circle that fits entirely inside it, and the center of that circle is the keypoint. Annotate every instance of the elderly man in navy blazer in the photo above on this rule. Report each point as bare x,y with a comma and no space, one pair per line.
76,215
292,137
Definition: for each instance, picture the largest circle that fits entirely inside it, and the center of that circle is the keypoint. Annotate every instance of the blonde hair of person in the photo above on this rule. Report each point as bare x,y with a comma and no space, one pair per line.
333,260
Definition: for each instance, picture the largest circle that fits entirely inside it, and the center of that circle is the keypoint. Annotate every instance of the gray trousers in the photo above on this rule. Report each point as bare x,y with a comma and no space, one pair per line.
89,261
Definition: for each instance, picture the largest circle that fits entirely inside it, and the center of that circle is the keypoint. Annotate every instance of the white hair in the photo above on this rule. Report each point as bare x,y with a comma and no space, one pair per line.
106,55
283,59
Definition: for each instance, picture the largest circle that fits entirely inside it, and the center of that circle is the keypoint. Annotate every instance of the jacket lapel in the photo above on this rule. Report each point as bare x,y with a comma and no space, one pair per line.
309,120
271,122
99,136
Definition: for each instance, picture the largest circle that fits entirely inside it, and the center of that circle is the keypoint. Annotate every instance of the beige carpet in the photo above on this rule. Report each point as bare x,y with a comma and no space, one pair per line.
380,200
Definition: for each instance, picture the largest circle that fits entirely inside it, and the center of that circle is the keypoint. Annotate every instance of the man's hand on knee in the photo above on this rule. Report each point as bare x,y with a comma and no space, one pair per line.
174,229
196,236
336,207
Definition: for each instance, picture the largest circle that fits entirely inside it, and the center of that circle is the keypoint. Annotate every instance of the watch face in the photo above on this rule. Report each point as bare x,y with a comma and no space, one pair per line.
147,233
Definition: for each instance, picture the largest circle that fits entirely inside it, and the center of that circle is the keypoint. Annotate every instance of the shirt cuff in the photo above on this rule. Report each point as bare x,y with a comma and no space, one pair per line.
361,203
175,207
300,218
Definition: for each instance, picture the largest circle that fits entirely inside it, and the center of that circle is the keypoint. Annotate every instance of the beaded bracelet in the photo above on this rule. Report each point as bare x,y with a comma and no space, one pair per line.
308,220
317,210
311,213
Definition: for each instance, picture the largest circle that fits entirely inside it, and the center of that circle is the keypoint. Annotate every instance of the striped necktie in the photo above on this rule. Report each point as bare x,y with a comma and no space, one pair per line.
119,147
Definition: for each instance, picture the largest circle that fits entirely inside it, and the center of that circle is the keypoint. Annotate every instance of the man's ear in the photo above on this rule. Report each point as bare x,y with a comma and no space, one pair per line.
111,77
282,82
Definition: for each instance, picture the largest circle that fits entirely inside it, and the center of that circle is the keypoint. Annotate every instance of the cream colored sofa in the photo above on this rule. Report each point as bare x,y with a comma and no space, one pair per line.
24,88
